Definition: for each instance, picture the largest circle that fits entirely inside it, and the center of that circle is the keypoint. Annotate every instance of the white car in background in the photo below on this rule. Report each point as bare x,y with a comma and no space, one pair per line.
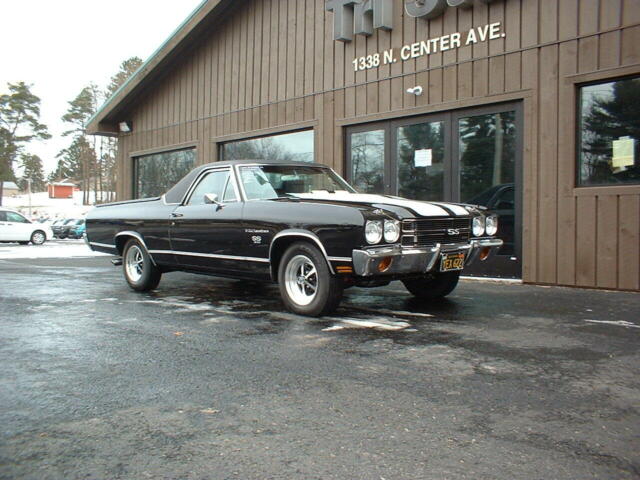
15,227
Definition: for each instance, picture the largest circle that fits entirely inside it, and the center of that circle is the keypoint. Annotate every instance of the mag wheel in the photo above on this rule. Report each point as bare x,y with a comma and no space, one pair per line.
437,285
38,237
139,271
307,286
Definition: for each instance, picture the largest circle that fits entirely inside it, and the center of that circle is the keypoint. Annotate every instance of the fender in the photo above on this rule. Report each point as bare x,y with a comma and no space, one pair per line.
314,238
138,237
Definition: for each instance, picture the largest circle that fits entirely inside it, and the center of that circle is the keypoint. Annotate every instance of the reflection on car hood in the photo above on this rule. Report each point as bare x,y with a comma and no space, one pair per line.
426,209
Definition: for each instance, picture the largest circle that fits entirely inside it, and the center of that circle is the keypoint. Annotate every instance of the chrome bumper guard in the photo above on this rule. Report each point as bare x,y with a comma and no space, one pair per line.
415,260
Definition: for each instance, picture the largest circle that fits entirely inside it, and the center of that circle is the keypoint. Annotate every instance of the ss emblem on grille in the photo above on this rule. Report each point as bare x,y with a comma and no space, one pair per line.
453,231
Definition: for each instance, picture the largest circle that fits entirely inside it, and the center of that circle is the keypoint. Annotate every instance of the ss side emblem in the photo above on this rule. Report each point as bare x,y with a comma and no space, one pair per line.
256,239
453,231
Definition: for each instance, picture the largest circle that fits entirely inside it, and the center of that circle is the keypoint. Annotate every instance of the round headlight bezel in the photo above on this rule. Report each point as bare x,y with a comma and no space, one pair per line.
373,231
491,225
478,226
391,231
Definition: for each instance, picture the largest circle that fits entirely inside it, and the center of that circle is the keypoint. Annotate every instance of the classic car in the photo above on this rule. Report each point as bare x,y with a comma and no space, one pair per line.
296,224
15,227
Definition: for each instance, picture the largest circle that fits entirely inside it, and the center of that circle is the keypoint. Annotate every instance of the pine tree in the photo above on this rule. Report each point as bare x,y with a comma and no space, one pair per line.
33,170
127,68
19,125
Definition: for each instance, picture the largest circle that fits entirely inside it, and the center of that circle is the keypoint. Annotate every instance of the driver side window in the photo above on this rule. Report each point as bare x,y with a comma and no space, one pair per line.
216,182
15,218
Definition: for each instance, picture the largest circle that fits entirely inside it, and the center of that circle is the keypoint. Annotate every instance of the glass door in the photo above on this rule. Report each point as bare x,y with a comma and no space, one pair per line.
420,163
487,154
464,156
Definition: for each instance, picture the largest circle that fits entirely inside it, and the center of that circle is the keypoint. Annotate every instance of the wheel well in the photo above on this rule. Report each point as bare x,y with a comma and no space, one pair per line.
121,241
280,246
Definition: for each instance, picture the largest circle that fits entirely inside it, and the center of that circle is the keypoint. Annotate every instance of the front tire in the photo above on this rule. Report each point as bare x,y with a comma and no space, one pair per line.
437,285
306,284
38,237
139,271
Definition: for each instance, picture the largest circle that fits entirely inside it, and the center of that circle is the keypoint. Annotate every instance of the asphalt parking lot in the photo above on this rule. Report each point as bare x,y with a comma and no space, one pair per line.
209,379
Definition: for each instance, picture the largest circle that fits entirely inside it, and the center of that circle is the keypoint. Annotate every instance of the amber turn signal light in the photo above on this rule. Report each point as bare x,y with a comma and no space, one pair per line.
484,253
384,264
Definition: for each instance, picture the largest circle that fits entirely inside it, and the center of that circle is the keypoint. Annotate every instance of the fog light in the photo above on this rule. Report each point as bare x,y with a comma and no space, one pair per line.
484,253
384,264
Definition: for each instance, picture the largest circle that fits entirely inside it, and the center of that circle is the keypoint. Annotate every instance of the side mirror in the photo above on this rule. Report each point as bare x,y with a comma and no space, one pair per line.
211,199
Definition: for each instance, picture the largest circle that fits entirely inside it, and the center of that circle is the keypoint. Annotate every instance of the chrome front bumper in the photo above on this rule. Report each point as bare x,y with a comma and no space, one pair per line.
416,260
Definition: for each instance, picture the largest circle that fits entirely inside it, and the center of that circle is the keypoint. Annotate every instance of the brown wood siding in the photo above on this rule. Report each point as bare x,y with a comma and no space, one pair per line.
273,64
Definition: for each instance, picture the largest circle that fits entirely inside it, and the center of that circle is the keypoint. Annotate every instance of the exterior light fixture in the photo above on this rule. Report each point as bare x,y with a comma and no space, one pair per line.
125,127
417,90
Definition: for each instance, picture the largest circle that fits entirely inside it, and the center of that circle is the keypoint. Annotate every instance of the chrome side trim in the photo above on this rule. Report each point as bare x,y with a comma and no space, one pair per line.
103,245
341,259
209,255
303,233
138,237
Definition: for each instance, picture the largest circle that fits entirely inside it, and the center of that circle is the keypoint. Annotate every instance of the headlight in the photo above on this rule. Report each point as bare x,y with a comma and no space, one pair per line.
373,231
492,225
478,226
391,231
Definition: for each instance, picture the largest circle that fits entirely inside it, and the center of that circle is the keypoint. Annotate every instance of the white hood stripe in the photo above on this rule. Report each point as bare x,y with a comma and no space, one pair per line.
425,209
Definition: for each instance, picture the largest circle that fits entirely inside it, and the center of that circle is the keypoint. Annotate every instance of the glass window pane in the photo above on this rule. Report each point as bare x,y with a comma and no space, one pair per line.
367,161
421,161
16,218
487,155
213,182
288,147
609,151
157,173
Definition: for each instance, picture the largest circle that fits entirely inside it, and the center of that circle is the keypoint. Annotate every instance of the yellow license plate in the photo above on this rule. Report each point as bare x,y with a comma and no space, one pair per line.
451,261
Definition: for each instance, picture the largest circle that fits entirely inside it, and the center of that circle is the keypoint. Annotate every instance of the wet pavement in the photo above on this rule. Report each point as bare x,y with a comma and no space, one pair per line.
209,379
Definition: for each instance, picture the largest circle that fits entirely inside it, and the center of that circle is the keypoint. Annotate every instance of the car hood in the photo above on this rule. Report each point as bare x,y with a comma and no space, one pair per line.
400,206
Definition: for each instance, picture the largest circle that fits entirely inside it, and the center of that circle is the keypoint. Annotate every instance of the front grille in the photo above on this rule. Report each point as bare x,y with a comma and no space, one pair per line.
429,232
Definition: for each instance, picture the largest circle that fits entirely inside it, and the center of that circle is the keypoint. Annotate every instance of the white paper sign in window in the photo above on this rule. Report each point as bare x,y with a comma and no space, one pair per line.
623,151
423,158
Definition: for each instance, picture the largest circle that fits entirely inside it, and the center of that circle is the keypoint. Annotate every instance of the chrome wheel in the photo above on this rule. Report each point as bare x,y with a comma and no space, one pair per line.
134,263
38,238
301,280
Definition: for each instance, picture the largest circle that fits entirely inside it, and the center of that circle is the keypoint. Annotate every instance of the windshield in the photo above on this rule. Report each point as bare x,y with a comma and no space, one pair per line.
265,182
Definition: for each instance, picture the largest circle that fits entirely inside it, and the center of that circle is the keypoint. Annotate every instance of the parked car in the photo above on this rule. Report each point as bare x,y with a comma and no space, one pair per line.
61,229
77,229
500,199
297,224
15,227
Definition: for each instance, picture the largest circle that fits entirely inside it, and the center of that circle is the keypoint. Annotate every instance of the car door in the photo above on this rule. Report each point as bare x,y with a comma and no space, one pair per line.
205,236
4,228
18,227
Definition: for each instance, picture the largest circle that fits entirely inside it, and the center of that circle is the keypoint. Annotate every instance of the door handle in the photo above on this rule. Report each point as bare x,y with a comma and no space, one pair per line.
176,215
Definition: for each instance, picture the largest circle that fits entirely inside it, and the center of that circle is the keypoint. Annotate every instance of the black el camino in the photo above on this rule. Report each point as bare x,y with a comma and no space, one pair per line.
298,224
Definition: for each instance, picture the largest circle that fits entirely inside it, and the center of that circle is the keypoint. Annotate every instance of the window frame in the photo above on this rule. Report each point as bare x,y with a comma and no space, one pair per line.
590,189
221,143
136,156
231,180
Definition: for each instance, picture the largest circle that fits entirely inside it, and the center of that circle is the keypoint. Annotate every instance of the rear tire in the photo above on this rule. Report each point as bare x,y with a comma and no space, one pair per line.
38,237
306,284
438,285
139,271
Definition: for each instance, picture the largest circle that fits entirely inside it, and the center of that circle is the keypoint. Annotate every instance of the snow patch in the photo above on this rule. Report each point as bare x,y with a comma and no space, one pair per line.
51,249
618,323
379,323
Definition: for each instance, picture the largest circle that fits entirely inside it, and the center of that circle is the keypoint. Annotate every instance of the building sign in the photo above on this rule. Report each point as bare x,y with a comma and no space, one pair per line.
361,17
430,46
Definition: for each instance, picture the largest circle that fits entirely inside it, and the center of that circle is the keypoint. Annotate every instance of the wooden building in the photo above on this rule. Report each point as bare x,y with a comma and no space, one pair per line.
526,105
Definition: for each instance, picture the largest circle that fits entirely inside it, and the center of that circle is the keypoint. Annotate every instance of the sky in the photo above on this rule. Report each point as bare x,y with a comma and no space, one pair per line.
61,46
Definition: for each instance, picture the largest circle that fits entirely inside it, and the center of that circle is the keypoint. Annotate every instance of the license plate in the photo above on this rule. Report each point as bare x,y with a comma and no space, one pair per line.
451,261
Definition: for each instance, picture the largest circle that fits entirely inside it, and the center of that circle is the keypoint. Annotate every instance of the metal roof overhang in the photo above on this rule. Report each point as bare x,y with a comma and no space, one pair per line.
115,110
